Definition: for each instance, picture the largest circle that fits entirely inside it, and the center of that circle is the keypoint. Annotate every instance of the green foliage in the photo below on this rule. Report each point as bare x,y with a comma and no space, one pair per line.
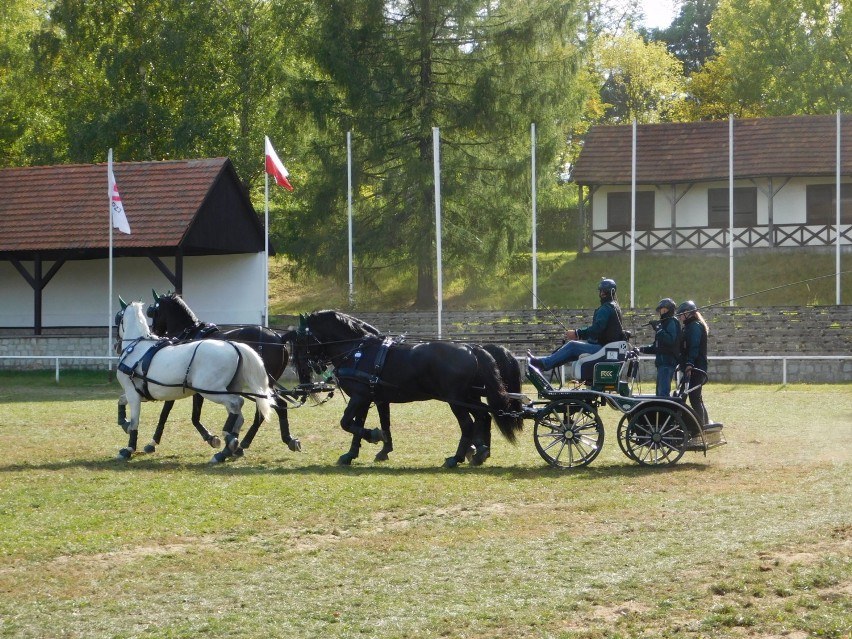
396,70
786,57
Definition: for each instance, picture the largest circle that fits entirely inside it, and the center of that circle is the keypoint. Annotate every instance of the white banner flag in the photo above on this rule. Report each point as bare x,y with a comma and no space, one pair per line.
119,219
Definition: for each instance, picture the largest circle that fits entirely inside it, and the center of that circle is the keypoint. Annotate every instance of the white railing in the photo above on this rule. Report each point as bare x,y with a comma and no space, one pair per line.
57,358
522,360
784,359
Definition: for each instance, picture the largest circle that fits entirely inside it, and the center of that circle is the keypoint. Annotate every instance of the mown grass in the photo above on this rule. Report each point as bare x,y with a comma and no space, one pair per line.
755,539
568,280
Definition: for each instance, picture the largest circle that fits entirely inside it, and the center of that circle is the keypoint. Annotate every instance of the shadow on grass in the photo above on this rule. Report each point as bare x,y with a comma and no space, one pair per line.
368,469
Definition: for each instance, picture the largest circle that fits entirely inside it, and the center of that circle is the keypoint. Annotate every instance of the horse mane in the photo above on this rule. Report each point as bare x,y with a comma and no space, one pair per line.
357,327
179,301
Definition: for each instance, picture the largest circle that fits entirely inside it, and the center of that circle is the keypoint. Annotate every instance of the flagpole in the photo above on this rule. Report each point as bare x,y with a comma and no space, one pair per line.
633,219
534,222
266,250
349,208
109,297
436,153
731,208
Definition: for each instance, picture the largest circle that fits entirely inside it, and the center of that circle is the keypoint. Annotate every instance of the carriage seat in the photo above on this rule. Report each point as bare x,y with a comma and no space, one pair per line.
584,368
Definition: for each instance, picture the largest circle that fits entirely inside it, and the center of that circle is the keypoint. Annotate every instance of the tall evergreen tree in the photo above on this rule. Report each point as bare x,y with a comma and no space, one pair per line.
390,71
688,36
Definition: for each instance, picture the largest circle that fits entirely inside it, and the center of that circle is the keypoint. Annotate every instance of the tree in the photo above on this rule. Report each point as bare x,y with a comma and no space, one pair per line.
390,71
22,95
640,80
688,37
161,79
788,57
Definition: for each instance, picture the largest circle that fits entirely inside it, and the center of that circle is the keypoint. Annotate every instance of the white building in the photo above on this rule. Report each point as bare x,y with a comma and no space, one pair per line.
784,179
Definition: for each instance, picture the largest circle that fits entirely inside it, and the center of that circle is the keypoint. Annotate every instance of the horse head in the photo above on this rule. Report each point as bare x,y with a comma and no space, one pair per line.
131,321
170,314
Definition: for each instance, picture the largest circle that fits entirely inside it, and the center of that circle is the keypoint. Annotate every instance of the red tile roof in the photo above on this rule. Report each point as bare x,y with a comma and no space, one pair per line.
65,207
698,151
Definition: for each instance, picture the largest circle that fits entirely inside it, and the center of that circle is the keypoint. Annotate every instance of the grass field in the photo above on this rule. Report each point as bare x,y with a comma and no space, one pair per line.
753,540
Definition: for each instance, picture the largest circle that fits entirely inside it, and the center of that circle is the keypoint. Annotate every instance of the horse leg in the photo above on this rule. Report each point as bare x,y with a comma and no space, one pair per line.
122,413
231,431
481,449
383,409
353,422
132,427
206,435
284,425
465,441
158,432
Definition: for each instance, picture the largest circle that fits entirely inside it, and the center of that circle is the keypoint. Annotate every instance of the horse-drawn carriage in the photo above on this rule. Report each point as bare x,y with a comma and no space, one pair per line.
480,384
653,430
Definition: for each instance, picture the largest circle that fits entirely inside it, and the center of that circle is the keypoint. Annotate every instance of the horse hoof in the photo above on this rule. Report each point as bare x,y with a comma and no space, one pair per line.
381,456
214,442
481,455
150,449
345,460
239,451
124,454
451,462
295,445
373,435
221,456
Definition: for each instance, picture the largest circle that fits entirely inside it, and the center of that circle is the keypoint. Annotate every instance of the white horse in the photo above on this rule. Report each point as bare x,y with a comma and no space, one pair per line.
221,371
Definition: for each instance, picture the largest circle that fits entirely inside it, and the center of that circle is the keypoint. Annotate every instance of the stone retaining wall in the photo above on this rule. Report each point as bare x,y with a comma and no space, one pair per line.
764,331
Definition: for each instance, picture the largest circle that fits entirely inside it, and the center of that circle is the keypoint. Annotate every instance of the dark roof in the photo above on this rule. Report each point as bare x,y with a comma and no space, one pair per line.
198,206
799,146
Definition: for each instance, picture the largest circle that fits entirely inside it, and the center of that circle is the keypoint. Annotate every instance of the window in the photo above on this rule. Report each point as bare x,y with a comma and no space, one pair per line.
618,211
745,208
821,204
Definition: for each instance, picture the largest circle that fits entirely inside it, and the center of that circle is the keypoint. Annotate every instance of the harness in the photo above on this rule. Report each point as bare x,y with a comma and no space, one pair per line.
370,377
144,363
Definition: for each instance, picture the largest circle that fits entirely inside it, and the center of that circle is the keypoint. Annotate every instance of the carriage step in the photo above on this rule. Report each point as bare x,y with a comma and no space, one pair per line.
713,438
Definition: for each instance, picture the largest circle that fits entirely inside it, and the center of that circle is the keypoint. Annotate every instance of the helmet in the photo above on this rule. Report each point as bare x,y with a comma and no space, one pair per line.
687,307
667,303
606,285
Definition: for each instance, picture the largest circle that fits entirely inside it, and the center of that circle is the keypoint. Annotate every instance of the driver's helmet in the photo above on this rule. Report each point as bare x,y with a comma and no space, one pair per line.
607,285
687,307
666,303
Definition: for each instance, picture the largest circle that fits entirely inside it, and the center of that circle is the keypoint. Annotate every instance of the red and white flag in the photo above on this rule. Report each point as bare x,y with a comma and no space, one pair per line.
275,167
119,219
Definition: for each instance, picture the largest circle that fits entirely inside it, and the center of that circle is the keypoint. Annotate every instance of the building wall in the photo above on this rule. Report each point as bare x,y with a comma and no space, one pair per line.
226,289
789,205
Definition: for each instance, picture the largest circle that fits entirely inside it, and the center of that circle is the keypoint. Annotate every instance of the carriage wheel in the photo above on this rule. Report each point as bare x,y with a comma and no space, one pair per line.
568,435
653,436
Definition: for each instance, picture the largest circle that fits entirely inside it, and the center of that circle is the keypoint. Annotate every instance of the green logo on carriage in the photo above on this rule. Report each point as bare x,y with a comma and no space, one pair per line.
606,375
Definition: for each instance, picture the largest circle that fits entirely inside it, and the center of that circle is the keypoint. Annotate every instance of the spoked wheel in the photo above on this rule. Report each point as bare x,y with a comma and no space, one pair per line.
568,435
653,436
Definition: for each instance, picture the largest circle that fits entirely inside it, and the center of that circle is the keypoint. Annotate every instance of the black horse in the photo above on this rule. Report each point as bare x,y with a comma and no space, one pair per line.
510,372
372,369
173,318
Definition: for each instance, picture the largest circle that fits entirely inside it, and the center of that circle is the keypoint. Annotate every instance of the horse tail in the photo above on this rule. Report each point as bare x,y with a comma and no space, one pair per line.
251,379
508,422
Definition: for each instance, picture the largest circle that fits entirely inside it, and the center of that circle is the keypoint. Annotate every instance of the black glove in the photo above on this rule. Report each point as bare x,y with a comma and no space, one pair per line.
655,324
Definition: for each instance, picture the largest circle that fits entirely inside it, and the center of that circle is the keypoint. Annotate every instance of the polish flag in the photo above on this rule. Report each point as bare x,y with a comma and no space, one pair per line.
119,219
275,167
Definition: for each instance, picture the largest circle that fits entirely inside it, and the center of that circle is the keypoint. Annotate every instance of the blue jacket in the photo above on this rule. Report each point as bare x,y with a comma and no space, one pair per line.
694,350
606,325
667,342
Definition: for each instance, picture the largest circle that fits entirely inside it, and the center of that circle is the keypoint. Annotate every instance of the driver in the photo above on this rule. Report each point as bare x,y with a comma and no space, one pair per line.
606,327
